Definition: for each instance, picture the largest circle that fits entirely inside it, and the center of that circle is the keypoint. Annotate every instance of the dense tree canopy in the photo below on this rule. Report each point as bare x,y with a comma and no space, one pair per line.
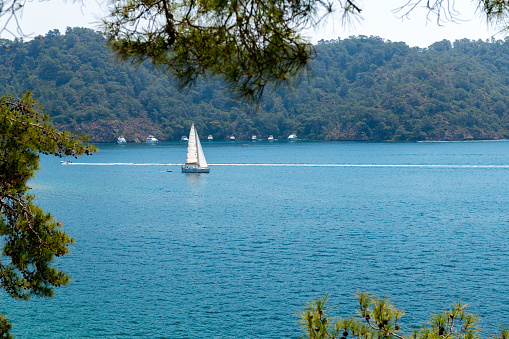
361,88
247,44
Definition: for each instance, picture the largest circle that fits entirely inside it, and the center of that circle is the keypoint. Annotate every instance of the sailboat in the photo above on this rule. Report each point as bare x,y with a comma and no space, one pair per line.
195,159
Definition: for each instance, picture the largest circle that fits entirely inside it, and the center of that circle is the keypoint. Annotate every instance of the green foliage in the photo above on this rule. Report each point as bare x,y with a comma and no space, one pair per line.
5,328
247,44
378,318
31,238
362,88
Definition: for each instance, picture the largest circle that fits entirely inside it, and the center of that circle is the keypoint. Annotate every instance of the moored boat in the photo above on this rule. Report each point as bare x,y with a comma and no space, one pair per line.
151,140
121,140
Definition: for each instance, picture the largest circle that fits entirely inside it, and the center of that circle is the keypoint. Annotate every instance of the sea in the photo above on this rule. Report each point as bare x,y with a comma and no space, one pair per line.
240,251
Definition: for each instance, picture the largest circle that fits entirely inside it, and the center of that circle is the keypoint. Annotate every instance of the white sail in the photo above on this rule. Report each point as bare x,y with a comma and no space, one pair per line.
202,163
192,153
195,154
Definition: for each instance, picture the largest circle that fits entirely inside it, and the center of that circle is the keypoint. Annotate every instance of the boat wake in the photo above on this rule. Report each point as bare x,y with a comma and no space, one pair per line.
293,165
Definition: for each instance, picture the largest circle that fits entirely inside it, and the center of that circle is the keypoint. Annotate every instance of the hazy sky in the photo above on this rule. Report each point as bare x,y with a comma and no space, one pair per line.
379,20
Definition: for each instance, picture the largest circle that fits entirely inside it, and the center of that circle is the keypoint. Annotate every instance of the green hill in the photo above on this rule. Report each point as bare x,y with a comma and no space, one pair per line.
361,88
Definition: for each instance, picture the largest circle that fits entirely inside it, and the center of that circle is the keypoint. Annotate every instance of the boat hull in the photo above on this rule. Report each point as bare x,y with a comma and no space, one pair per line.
195,170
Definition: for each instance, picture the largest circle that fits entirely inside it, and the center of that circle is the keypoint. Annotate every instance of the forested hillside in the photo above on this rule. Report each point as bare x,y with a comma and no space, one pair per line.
361,89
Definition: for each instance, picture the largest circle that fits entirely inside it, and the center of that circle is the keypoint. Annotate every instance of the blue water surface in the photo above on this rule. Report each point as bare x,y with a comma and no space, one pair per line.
238,252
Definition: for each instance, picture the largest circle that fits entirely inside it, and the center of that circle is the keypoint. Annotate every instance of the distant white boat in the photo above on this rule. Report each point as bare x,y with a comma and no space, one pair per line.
184,138
195,159
121,140
253,138
210,137
151,140
270,138
65,162
292,136
232,138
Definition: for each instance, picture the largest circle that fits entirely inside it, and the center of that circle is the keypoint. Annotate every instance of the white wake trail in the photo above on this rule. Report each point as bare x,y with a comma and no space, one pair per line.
294,165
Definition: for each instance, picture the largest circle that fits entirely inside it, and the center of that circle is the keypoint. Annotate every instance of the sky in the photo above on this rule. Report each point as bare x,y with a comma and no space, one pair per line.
378,20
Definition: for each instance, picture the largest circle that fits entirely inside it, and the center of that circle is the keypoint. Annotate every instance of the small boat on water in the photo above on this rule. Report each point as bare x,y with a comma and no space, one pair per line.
151,140
65,162
292,136
253,138
121,140
270,138
184,138
195,159
210,137
232,138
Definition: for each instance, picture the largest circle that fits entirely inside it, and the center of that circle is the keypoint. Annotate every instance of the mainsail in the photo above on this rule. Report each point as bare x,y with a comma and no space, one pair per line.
192,153
195,154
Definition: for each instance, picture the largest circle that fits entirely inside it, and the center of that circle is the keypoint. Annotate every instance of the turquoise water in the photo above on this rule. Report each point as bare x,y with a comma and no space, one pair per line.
238,252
